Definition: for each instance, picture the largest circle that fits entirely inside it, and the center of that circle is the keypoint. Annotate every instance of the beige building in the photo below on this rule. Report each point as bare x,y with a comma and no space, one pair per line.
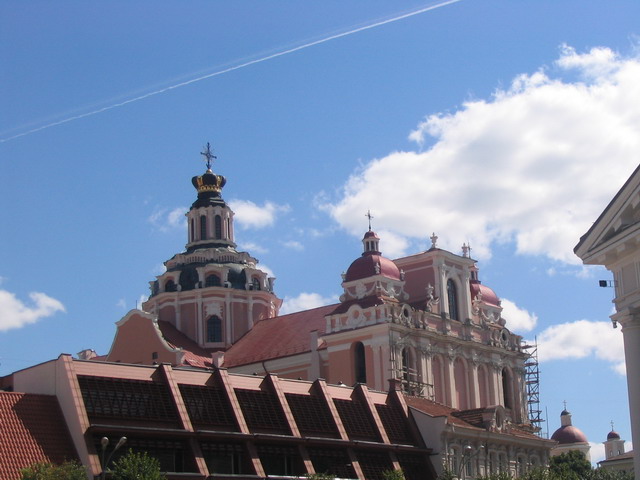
614,242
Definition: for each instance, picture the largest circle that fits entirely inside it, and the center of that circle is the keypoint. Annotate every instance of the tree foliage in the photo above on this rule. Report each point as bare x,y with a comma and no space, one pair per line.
48,471
136,466
570,465
393,475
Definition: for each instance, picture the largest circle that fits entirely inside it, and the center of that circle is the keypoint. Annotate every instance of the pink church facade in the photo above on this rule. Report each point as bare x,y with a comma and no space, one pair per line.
424,322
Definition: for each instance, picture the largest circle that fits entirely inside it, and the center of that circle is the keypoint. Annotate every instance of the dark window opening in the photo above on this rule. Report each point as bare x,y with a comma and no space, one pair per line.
506,389
214,329
203,227
227,458
280,460
218,227
452,297
212,281
255,284
360,363
170,286
332,461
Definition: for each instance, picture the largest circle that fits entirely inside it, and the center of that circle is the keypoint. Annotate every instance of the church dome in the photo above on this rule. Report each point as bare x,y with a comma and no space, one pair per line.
488,295
569,434
613,435
370,264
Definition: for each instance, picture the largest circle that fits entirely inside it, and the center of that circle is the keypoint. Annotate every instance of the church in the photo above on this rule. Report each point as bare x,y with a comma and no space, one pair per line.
414,368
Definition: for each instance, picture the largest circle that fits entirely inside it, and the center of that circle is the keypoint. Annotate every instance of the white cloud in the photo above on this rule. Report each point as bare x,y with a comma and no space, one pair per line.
16,314
305,301
252,247
265,269
293,245
535,164
518,319
165,219
580,339
250,215
122,304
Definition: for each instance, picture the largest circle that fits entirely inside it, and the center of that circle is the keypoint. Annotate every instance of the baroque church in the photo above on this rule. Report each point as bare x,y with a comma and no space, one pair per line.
414,368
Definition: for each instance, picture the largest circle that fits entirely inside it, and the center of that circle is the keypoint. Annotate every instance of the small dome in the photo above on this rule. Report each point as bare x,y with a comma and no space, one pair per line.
613,435
371,234
488,295
365,266
569,434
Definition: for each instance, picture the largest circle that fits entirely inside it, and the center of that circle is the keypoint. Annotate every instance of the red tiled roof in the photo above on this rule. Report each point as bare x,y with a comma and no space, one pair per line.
278,337
195,356
465,418
436,410
32,430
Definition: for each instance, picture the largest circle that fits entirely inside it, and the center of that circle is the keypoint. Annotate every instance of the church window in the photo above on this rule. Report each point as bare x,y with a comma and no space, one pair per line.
461,384
506,389
255,284
212,281
203,227
360,364
452,297
405,364
214,329
218,227
170,286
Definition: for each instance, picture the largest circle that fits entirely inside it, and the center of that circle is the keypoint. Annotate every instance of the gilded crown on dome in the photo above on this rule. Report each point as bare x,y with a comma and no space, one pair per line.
209,181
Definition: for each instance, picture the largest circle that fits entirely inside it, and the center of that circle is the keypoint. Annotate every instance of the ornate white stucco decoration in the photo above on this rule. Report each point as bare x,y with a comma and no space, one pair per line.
431,300
213,308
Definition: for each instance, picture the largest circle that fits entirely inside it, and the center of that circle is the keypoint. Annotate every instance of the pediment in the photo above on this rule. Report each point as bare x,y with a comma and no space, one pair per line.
615,228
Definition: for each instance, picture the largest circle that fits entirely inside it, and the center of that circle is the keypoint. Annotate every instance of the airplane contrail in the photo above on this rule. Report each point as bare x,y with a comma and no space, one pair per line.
236,67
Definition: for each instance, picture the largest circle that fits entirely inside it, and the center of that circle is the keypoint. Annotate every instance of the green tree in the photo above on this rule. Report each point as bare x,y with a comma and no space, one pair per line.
136,466
320,476
393,475
48,471
570,465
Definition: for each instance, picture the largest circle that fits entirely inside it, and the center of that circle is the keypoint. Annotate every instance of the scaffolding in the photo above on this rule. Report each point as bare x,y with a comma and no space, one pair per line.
532,382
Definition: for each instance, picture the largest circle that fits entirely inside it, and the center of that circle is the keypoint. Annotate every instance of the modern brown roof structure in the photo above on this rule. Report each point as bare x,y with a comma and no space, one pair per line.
32,430
200,423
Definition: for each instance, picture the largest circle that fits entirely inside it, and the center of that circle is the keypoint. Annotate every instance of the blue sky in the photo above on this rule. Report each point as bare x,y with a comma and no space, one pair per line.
507,124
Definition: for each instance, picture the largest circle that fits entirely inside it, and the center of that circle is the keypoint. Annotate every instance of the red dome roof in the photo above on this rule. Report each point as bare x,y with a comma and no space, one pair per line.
613,435
488,295
365,266
569,434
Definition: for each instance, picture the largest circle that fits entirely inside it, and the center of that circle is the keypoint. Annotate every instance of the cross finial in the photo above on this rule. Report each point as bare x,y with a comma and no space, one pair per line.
612,425
208,154
434,240
369,216
565,404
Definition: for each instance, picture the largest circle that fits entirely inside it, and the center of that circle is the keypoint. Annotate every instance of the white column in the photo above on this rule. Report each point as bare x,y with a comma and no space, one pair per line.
630,321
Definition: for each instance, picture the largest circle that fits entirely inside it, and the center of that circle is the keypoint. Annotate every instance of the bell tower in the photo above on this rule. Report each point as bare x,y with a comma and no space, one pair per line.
212,293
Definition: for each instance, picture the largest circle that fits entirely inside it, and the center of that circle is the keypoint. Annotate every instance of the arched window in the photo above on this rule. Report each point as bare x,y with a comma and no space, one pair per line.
255,284
214,329
170,286
461,384
203,227
212,281
437,365
218,227
452,297
506,389
359,362
405,364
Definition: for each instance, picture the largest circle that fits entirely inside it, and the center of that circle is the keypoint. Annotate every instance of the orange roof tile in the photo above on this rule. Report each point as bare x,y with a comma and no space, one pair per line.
278,337
195,356
32,430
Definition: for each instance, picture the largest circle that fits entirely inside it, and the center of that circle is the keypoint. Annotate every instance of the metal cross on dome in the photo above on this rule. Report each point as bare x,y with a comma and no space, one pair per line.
208,154
369,216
